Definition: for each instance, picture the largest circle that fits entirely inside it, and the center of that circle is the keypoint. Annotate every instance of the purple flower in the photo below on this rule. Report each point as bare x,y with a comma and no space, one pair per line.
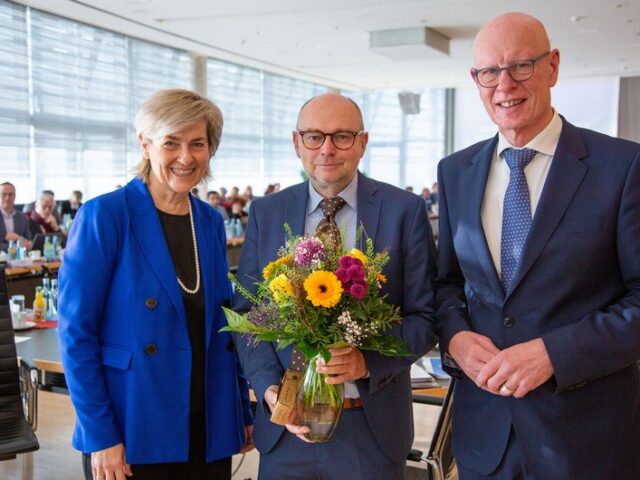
263,314
356,273
347,261
358,290
308,251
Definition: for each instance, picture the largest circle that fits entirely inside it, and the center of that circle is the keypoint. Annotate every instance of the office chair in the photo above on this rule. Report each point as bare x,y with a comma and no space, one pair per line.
441,464
16,434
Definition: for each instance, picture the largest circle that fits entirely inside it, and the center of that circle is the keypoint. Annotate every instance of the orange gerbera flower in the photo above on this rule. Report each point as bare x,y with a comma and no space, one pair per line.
323,289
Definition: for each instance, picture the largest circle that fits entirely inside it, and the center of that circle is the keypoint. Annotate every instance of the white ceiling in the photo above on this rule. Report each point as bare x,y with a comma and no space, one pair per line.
327,41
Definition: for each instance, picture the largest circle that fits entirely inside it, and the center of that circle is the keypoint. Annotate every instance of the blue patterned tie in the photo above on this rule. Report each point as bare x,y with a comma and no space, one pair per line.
516,214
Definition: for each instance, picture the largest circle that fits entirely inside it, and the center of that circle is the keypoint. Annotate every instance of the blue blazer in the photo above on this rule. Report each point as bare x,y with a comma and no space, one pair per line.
577,287
395,220
124,339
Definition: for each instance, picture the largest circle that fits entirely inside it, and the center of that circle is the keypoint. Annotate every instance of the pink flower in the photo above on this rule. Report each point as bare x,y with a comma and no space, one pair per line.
356,273
358,290
308,251
344,277
347,261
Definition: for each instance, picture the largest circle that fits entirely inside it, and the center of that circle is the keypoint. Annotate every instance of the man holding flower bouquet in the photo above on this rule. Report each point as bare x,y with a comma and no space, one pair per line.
338,204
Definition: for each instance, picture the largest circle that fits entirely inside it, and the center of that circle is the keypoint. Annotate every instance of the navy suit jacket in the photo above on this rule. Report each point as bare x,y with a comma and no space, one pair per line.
577,287
396,220
20,226
124,336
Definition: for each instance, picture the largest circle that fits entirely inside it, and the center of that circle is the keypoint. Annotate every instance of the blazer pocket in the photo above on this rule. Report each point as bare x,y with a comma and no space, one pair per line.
116,357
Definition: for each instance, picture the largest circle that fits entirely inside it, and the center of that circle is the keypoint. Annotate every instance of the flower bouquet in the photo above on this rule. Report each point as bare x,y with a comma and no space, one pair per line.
319,297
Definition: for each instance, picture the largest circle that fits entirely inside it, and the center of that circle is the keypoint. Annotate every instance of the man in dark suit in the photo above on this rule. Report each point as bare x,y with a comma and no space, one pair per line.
538,287
14,224
375,435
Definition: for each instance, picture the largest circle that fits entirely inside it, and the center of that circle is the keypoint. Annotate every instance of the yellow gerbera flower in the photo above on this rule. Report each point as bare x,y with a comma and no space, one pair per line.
355,253
268,270
281,288
323,289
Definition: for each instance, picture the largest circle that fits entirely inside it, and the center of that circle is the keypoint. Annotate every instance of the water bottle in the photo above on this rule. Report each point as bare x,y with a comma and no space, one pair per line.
227,229
55,246
48,249
237,230
21,252
52,301
46,294
11,250
54,293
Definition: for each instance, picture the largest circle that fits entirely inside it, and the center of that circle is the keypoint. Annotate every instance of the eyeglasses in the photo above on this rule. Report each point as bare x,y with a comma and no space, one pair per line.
314,139
519,71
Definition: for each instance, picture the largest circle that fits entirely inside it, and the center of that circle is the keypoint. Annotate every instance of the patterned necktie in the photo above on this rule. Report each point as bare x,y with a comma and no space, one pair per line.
516,214
328,225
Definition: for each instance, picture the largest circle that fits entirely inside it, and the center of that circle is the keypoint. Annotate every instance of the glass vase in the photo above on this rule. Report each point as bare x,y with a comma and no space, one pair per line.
319,404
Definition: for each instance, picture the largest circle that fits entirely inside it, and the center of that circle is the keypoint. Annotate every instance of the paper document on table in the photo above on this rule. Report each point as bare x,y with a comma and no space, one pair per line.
420,378
20,339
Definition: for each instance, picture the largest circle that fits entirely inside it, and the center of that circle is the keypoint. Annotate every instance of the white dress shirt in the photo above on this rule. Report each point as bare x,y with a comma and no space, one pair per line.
545,143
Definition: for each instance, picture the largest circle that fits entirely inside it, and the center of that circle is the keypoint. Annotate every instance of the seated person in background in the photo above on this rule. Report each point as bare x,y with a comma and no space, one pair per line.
14,224
31,206
223,194
248,197
234,194
237,211
213,198
72,205
270,189
426,195
42,218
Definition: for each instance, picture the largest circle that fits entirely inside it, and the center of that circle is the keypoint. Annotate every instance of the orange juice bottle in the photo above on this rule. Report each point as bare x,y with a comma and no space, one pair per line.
39,307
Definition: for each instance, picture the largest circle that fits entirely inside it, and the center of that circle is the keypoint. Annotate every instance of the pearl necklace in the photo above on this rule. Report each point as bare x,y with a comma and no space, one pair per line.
195,249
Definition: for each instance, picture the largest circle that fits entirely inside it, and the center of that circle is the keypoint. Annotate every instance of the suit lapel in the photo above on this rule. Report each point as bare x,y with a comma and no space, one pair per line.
148,232
369,207
209,263
295,208
475,178
565,175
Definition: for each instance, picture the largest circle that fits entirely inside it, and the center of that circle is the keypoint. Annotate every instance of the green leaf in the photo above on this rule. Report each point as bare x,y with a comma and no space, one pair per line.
308,351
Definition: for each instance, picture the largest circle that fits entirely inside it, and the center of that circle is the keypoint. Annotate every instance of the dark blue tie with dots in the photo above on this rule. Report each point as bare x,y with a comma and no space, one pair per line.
516,214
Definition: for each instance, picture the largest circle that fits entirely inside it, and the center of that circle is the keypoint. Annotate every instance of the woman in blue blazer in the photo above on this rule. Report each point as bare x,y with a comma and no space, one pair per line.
156,387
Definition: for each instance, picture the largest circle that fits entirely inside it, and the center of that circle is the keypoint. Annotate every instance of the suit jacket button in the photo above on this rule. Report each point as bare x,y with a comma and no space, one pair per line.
508,322
151,349
151,303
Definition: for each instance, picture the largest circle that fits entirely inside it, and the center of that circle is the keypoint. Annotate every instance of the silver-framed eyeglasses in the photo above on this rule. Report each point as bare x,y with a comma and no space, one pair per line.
519,71
342,140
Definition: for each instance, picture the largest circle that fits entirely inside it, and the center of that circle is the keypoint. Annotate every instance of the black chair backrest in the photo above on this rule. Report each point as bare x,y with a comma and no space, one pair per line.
16,436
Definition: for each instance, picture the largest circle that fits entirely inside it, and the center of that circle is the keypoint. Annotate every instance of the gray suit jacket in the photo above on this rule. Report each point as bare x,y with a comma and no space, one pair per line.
20,226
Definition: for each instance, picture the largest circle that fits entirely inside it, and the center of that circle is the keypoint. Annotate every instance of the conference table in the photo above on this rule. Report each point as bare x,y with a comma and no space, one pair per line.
42,350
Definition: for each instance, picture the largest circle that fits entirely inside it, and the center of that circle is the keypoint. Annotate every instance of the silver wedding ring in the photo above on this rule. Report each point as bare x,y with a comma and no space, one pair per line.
506,391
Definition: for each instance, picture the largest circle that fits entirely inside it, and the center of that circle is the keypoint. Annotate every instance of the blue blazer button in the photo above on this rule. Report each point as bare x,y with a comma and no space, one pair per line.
151,303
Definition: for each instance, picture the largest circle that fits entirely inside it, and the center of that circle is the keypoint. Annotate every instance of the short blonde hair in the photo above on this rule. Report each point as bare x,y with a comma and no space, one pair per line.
170,111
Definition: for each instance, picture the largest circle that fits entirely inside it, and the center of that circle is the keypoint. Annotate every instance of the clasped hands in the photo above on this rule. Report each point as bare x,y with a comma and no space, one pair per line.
516,370
346,364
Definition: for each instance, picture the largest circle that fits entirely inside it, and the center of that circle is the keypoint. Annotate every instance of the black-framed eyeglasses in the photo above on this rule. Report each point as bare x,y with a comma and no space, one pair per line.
342,140
519,71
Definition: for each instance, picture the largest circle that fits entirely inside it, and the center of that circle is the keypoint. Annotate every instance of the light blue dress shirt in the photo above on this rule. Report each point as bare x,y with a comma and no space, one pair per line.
346,219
